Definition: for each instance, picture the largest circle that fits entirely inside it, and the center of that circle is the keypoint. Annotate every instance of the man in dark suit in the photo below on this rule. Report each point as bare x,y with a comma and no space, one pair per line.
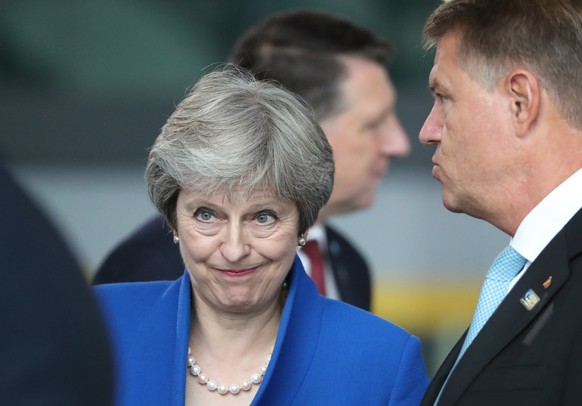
340,69
507,126
53,346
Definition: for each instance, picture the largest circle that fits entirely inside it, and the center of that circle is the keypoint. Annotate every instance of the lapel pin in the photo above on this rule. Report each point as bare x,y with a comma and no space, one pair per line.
530,299
547,283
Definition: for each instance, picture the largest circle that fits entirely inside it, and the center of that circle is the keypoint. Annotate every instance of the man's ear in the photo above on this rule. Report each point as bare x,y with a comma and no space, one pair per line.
525,96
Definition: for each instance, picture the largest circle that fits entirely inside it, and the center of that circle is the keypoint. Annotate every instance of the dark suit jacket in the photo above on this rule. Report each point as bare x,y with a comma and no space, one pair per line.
523,357
351,272
149,254
53,346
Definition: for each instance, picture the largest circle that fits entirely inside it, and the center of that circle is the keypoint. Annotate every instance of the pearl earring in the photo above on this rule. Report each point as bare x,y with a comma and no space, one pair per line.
302,241
176,239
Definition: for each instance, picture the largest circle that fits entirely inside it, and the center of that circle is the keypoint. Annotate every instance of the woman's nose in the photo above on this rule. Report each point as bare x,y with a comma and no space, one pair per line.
234,247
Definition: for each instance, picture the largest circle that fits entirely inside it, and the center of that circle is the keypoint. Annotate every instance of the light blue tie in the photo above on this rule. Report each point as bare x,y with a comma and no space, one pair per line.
505,267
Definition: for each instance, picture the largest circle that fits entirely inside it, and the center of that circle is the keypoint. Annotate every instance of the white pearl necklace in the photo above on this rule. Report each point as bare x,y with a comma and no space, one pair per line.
233,389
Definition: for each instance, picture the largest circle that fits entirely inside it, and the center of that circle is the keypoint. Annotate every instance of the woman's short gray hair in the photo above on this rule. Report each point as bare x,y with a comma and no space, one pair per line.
233,133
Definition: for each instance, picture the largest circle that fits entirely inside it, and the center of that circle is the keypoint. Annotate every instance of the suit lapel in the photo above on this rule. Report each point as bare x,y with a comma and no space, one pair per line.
511,317
159,352
296,342
340,273
350,272
442,373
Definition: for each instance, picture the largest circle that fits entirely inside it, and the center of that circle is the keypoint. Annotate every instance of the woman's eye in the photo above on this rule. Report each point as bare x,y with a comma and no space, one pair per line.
265,218
204,214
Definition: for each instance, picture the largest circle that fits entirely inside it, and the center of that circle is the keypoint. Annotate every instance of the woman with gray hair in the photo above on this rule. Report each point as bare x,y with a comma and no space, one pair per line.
240,171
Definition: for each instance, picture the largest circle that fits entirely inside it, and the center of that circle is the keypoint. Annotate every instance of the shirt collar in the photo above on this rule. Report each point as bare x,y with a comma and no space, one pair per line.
542,224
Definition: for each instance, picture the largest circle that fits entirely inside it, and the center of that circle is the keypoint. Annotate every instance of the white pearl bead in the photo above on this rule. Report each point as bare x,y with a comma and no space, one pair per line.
195,370
256,378
222,389
212,385
191,361
263,369
246,385
202,378
234,389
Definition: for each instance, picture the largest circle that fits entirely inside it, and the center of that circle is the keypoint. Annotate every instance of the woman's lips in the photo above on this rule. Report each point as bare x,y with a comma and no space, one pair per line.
237,273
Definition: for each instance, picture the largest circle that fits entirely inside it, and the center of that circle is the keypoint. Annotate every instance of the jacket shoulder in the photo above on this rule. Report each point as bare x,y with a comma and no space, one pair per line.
125,303
356,321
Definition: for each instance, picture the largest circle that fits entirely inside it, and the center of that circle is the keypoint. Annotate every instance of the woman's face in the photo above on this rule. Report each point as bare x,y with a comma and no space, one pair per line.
238,251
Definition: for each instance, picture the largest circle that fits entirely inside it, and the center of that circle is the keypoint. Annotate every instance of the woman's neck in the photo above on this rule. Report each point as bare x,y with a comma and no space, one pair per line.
226,334
229,348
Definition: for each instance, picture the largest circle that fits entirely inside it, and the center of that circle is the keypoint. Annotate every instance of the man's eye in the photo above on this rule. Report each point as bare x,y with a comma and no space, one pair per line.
441,97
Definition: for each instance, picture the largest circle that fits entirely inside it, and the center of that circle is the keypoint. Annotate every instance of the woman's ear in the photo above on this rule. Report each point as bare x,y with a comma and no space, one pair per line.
525,96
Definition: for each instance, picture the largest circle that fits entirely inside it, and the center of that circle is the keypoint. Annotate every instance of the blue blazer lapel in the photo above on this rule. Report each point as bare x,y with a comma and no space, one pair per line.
182,340
160,349
296,342
511,317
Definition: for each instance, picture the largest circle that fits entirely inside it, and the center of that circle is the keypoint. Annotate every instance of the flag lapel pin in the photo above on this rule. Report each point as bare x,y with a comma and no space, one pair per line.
530,299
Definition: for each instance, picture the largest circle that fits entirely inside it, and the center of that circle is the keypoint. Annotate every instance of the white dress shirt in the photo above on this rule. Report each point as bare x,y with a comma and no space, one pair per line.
542,224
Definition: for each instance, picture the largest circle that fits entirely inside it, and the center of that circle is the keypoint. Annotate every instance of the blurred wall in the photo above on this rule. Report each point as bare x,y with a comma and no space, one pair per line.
85,87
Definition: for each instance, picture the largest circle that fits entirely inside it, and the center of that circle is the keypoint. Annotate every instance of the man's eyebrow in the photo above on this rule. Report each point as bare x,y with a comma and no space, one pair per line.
437,86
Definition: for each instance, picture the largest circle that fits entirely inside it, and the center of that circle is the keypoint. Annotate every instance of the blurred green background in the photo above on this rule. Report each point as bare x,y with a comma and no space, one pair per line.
104,74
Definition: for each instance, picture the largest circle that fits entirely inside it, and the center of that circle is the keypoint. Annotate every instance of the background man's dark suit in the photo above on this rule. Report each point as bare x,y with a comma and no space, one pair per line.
53,346
535,353
149,254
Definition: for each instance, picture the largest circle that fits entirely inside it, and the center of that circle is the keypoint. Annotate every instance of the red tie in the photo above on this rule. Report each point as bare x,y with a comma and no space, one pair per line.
311,249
